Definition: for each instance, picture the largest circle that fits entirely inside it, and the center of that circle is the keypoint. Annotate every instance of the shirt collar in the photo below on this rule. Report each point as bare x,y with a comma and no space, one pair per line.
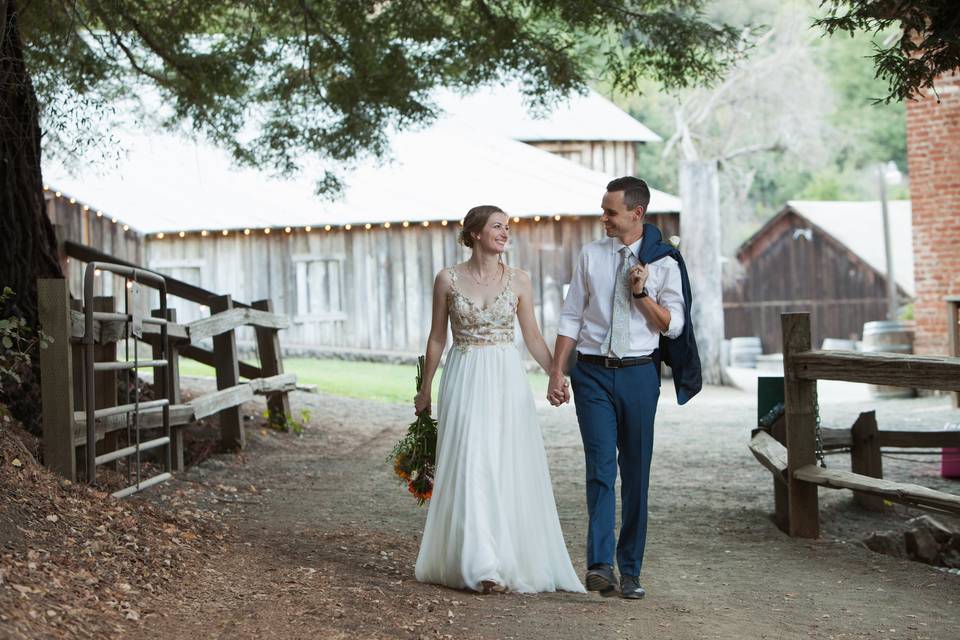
616,245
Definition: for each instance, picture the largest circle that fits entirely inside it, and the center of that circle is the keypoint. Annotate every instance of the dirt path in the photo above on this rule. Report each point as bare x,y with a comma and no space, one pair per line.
324,541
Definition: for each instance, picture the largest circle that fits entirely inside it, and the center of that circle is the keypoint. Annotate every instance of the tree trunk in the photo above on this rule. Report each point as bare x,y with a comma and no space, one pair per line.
700,243
27,241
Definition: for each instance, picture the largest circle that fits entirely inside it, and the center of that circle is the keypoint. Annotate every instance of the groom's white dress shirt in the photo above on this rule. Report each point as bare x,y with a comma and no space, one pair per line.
588,307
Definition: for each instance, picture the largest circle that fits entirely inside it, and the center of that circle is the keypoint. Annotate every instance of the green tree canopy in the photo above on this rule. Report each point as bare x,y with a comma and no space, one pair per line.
926,47
272,80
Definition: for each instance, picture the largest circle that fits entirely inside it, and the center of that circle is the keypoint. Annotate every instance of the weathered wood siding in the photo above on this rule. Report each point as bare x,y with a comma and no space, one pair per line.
613,158
366,289
100,232
785,272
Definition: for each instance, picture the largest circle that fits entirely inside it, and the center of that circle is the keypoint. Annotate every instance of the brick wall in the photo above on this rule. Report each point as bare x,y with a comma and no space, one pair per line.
933,154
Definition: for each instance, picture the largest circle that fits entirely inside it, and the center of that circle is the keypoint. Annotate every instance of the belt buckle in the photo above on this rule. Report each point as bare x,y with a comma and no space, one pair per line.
611,363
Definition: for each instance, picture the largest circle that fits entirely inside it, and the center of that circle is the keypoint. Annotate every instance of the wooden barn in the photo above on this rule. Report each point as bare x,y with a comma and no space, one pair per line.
823,257
356,274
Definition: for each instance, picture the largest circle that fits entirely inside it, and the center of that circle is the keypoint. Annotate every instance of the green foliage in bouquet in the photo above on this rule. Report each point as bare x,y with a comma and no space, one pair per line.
414,458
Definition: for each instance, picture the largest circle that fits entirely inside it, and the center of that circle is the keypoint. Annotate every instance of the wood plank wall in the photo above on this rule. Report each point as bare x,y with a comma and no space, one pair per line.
785,272
385,276
100,232
612,158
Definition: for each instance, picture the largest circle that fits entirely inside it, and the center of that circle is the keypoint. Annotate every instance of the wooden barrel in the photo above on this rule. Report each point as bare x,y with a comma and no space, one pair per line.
837,344
744,352
888,336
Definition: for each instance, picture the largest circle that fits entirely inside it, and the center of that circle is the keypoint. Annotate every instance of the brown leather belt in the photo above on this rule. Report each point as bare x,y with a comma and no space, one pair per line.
614,363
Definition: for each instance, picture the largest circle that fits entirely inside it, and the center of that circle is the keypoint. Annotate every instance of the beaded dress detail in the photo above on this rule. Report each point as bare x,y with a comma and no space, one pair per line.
473,325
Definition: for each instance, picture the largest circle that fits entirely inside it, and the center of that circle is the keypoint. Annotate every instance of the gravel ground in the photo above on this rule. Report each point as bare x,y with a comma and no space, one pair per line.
323,540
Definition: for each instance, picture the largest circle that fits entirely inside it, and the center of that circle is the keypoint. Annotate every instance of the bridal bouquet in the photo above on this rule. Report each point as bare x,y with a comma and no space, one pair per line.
414,458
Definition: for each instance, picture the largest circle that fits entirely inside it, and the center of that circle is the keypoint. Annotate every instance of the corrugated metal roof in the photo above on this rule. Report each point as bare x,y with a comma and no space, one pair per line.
169,183
859,226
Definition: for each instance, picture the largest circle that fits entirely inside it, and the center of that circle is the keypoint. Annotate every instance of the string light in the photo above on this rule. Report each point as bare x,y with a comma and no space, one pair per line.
368,226
126,227
444,223
99,214
246,232
96,272
113,220
86,207
425,223
557,218
160,236
308,228
58,194
348,227
73,201
129,285
327,227
46,187
225,232
386,225
288,229
516,219
536,218
182,234
204,233
267,231
406,224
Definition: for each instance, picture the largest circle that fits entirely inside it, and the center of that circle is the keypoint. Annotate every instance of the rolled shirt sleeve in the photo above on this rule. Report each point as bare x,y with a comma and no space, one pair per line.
670,296
571,318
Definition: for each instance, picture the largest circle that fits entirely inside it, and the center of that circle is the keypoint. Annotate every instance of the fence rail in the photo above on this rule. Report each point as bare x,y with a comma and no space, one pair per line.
787,447
72,420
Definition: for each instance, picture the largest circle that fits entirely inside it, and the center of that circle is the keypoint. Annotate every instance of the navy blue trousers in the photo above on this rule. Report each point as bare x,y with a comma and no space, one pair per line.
616,409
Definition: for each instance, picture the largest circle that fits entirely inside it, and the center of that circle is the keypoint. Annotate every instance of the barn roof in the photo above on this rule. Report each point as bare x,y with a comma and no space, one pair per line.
858,225
167,182
504,110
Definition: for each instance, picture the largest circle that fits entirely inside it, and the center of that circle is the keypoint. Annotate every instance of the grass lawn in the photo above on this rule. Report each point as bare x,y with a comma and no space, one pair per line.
367,380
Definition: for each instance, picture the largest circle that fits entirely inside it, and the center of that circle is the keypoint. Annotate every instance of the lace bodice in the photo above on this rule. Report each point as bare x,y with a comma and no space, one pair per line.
475,326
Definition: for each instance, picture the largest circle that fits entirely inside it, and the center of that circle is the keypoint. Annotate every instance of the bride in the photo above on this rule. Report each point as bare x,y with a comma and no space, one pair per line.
492,523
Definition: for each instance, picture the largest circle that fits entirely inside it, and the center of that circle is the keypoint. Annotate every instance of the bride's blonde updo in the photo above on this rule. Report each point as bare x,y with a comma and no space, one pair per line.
475,221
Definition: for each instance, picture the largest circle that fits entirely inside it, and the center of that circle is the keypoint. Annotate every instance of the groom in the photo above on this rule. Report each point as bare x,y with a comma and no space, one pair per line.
627,309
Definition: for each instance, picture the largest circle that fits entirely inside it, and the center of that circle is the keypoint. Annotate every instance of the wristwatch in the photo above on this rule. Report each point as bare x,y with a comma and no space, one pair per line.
642,294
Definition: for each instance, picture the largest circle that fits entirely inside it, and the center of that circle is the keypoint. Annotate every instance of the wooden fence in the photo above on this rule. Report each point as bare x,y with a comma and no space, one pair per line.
62,373
788,447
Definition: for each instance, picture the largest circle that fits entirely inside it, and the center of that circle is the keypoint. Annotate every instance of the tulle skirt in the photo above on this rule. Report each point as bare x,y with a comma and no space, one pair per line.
492,515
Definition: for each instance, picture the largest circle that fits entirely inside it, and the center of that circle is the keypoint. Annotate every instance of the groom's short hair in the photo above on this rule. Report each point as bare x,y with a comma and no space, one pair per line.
635,192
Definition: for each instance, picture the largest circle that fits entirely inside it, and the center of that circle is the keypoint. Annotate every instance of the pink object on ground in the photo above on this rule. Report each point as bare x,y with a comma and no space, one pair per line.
950,466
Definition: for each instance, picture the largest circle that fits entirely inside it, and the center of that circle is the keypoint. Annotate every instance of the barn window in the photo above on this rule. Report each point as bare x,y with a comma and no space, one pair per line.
319,288
189,270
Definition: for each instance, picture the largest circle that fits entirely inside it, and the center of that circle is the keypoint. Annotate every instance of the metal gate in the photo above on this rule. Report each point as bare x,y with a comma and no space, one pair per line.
133,319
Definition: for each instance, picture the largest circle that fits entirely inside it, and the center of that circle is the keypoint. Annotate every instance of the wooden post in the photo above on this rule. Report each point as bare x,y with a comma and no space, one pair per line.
865,457
169,377
56,377
781,497
228,375
799,398
953,331
105,385
271,364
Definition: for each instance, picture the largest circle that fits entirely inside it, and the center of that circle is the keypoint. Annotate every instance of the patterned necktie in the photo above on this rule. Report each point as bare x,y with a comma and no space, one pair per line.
617,343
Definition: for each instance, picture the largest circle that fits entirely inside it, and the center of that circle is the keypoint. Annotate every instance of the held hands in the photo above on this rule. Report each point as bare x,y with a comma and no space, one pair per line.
422,401
638,278
558,390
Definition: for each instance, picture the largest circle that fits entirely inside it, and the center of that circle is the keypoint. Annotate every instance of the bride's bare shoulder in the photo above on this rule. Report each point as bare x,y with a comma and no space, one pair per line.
444,277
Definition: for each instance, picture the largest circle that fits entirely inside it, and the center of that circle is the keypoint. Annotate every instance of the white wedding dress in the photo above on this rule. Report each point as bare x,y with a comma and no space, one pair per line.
492,515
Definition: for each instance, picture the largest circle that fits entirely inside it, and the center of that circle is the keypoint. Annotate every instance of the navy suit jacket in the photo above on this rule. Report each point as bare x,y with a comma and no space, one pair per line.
679,353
